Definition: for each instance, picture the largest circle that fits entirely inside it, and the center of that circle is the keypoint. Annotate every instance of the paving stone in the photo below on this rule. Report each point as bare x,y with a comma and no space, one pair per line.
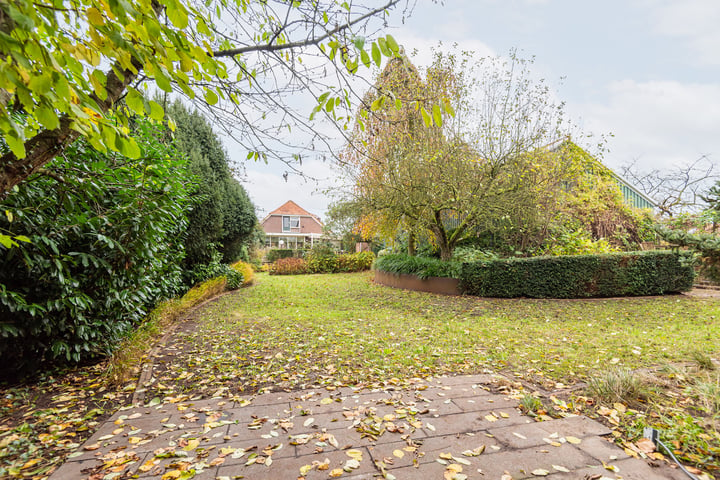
429,449
485,402
630,469
520,436
463,379
520,463
248,412
576,426
82,469
346,438
289,468
472,422
602,449
456,407
272,398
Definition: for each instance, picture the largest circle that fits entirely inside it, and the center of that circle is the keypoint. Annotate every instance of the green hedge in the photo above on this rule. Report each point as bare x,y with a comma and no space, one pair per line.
278,253
605,275
423,267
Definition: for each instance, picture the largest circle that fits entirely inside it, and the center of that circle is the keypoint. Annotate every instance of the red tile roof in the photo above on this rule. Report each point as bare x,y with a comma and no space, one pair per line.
292,208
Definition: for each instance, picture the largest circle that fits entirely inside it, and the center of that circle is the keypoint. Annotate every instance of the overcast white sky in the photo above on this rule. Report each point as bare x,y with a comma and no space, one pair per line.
645,71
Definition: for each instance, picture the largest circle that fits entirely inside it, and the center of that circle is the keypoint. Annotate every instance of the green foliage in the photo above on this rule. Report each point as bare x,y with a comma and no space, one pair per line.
105,245
224,216
706,245
423,267
322,259
355,262
607,275
246,270
276,254
465,254
213,269
289,266
68,63
578,242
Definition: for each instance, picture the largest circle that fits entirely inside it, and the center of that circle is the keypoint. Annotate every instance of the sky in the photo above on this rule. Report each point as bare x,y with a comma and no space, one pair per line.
644,73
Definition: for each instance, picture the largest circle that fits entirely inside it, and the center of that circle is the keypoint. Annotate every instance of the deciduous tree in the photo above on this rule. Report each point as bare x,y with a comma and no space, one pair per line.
66,64
468,147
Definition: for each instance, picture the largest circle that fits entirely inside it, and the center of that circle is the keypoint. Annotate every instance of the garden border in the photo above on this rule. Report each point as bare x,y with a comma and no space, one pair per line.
405,281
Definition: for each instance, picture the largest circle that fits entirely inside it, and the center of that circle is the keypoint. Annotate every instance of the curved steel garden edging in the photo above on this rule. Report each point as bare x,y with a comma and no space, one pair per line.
441,285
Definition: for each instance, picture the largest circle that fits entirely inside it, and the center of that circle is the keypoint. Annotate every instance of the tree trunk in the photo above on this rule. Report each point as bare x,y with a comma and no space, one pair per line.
411,244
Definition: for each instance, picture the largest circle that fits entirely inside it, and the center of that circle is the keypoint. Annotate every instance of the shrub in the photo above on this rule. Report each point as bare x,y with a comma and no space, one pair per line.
277,253
468,254
322,259
355,262
289,266
423,267
246,270
606,275
105,246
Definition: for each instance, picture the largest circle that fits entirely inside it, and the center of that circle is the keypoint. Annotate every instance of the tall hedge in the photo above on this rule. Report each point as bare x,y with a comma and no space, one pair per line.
606,275
105,244
224,217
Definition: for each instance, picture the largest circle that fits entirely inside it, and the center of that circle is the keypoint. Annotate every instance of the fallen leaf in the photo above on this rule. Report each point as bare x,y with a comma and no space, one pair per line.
573,440
398,453
645,445
540,472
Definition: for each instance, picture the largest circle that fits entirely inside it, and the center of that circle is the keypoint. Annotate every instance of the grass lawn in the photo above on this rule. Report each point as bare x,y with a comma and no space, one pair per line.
647,360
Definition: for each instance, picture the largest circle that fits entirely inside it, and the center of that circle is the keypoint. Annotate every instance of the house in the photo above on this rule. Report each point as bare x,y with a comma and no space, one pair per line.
291,226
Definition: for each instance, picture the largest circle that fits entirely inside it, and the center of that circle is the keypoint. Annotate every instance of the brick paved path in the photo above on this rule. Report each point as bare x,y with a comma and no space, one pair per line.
451,427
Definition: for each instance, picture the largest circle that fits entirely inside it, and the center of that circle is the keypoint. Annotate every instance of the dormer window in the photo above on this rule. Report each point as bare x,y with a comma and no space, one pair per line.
290,223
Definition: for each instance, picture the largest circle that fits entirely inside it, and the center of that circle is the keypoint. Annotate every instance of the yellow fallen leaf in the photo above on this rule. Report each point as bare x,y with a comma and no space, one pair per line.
504,415
540,472
31,463
455,467
491,418
398,453
446,456
573,440
171,475
133,440
356,454
192,444
336,472
560,468
326,401
305,469
147,466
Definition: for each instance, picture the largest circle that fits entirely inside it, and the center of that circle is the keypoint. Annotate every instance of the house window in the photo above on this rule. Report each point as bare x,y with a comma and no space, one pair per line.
290,223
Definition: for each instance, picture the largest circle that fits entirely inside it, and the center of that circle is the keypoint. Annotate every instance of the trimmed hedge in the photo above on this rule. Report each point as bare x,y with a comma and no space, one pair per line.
423,267
277,253
580,276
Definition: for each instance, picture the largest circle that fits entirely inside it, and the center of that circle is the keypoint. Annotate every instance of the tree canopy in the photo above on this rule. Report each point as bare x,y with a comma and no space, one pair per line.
67,64
486,158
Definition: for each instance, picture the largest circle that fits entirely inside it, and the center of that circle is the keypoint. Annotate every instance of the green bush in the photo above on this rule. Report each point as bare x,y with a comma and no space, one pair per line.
465,254
106,243
322,259
605,275
277,253
289,266
423,267
355,262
